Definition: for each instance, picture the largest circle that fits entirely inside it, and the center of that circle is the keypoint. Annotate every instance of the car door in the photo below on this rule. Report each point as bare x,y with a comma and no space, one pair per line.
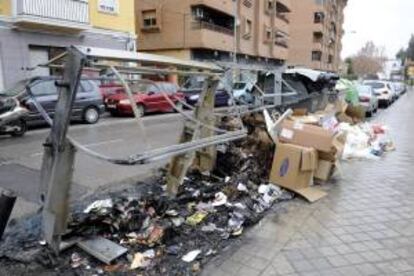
153,99
45,92
171,90
85,97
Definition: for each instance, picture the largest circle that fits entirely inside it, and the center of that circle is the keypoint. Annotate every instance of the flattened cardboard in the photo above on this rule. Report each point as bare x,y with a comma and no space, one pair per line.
293,168
307,136
311,194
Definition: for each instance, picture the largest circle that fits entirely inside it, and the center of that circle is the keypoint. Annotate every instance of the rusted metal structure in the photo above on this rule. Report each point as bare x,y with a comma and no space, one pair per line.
196,145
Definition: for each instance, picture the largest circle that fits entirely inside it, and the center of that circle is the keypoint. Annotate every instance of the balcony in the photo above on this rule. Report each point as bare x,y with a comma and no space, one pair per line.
282,39
283,10
209,36
72,15
198,25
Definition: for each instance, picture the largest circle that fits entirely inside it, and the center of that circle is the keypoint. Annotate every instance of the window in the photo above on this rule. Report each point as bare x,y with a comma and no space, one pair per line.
247,28
316,55
270,5
248,3
268,34
319,17
86,86
149,18
375,85
330,59
44,88
317,37
108,6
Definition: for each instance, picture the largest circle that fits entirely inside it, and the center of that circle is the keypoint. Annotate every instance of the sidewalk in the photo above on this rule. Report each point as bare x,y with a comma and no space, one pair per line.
364,227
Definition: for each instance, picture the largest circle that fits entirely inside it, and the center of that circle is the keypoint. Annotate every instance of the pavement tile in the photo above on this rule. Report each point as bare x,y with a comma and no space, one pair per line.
302,266
337,261
320,264
354,258
368,269
248,271
257,263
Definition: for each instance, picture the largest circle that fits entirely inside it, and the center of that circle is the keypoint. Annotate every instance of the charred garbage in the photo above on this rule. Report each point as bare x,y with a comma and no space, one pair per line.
150,233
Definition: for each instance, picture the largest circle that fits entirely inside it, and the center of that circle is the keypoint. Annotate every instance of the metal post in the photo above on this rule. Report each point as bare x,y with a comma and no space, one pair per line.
7,201
236,23
59,155
204,113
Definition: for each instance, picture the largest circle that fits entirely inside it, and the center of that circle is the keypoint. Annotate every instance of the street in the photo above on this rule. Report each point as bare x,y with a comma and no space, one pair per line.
21,158
364,227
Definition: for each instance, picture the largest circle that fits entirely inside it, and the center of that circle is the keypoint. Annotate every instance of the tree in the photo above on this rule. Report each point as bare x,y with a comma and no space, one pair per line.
369,60
410,49
401,55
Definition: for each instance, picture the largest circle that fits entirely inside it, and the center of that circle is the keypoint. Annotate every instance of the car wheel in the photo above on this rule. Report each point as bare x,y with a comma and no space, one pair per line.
22,128
114,113
179,106
91,115
141,110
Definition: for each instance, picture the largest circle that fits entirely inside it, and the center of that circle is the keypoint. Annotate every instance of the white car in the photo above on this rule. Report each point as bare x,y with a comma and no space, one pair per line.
399,88
242,92
383,90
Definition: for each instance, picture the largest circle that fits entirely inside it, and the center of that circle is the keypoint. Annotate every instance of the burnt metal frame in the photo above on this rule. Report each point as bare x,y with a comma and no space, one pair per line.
60,150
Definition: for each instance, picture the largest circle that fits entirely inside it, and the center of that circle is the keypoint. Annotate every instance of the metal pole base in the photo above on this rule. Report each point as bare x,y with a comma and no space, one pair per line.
7,201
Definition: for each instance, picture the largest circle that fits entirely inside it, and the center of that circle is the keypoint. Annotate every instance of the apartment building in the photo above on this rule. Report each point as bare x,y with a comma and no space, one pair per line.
209,30
33,31
316,33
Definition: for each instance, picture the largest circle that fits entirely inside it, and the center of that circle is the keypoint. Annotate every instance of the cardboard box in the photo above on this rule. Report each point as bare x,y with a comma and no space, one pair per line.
338,148
293,168
324,170
307,136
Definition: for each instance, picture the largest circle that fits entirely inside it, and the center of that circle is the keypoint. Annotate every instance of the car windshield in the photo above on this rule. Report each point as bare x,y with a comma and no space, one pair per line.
376,85
239,85
15,90
364,90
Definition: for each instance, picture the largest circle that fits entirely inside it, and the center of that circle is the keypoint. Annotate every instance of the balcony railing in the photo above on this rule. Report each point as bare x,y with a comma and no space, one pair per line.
197,25
282,43
46,11
283,17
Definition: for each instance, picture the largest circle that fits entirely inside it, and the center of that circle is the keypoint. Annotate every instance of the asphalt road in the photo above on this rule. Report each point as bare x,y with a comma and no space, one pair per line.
21,158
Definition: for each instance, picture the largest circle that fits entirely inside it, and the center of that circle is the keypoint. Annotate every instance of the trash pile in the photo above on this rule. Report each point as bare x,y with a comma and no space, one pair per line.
366,141
310,147
162,235
149,233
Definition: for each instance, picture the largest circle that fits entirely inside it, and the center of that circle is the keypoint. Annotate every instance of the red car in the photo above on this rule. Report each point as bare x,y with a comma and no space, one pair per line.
109,89
149,98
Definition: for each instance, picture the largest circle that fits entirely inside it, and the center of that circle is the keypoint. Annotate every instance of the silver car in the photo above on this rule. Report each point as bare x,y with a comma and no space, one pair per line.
367,99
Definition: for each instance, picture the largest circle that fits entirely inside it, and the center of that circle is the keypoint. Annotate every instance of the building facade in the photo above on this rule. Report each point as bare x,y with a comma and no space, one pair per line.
209,29
34,31
315,34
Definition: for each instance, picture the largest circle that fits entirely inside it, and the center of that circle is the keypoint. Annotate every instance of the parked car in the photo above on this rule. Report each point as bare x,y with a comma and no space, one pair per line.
109,89
367,99
192,95
383,91
242,92
399,88
148,97
88,105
